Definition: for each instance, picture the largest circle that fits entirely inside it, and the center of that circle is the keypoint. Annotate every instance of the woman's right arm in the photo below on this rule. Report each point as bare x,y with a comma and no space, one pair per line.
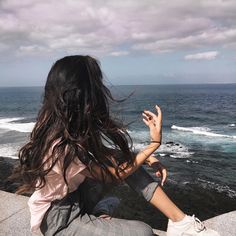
154,122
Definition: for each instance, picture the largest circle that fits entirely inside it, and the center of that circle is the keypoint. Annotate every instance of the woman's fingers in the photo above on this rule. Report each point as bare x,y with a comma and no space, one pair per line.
164,176
145,116
159,111
145,121
150,114
148,120
104,216
159,117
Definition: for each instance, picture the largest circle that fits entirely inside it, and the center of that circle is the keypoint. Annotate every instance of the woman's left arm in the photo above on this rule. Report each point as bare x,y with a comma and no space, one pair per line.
96,172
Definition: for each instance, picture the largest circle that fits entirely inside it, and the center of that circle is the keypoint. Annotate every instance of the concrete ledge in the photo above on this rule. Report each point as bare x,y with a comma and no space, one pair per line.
15,215
225,224
15,218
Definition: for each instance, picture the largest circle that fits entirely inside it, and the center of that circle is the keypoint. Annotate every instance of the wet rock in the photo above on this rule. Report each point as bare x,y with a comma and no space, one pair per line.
170,143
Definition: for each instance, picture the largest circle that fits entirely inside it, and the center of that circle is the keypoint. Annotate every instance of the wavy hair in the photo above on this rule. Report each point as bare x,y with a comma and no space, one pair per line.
75,111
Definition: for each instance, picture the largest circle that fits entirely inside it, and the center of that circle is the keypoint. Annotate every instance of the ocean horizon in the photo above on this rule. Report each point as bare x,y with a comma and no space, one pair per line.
109,84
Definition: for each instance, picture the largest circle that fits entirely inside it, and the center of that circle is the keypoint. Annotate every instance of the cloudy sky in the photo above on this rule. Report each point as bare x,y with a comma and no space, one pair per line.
136,41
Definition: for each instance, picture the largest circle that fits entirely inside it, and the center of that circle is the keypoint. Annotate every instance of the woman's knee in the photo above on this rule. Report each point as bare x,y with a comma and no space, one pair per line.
143,228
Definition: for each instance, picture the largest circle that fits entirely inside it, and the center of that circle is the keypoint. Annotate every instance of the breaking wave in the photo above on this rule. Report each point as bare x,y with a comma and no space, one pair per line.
201,131
11,124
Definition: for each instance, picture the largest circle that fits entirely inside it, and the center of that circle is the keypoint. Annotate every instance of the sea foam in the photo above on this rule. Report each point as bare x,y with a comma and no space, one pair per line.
173,150
9,150
220,188
201,131
10,124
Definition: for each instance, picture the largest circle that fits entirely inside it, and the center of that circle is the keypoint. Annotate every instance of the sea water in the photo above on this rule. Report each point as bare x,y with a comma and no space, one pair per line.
199,128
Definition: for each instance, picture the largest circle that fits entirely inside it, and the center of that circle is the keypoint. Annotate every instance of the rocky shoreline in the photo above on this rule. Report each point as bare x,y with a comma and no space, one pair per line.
6,167
191,198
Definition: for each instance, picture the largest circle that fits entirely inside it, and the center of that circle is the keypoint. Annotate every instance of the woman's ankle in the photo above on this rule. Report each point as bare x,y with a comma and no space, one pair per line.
178,217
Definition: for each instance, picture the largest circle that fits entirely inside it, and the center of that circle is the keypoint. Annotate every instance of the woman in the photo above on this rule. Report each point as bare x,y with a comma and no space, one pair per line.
77,151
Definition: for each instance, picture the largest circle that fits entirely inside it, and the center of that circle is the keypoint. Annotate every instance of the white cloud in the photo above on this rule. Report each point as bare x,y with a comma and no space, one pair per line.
103,27
119,53
202,56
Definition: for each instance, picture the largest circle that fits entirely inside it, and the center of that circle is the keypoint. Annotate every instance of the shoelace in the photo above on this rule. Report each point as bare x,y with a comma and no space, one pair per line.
198,225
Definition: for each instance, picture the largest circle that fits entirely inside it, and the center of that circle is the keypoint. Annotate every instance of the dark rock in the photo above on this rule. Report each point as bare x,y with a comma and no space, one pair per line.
171,143
6,167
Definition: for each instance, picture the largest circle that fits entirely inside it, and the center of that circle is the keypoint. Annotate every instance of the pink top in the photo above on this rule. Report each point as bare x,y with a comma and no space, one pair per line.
55,188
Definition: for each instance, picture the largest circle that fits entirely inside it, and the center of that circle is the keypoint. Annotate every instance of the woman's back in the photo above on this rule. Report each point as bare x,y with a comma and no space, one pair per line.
55,187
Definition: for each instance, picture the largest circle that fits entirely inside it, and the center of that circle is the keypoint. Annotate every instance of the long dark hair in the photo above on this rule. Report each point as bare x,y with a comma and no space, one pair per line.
75,111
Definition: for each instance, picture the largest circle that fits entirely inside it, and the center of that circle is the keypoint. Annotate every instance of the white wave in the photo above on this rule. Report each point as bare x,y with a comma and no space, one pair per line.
162,154
180,155
9,150
191,161
7,120
201,131
231,125
9,124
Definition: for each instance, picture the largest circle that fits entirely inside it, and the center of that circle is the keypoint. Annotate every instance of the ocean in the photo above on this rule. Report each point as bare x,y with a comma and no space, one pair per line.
199,128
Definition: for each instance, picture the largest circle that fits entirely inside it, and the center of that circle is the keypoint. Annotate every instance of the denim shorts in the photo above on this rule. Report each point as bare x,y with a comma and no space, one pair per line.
77,213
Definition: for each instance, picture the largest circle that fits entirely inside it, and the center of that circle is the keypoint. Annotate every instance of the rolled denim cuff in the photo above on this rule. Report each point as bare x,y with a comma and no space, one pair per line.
149,191
142,182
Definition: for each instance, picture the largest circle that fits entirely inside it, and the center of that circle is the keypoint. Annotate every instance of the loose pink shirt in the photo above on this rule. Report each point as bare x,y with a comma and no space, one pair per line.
55,188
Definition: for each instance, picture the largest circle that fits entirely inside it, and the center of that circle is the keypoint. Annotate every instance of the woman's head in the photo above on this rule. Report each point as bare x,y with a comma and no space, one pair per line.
75,92
75,109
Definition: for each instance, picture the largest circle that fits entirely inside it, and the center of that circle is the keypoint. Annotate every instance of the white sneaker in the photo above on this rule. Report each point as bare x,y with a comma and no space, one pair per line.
189,226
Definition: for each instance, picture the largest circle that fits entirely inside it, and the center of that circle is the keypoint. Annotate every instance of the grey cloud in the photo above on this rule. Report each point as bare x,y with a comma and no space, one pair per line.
105,27
224,38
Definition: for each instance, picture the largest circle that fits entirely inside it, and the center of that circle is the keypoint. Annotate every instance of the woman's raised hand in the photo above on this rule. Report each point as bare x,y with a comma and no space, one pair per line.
154,122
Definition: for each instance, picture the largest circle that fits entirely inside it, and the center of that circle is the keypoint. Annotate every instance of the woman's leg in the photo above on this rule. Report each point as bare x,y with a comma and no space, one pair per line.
144,184
89,225
161,201
178,223
74,215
